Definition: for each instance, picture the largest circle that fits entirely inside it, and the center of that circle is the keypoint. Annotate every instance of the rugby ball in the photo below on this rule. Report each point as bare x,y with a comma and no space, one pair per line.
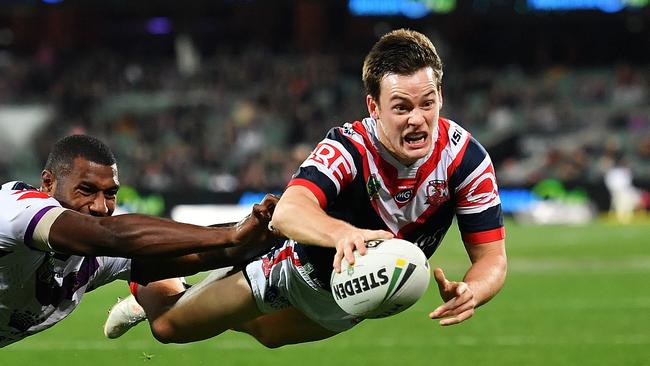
389,278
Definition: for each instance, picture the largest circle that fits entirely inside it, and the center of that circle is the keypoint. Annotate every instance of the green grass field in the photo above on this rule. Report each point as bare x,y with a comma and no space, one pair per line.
574,296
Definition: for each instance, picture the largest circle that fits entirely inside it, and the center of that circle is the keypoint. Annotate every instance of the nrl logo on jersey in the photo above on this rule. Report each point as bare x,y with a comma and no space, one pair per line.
373,187
437,192
348,129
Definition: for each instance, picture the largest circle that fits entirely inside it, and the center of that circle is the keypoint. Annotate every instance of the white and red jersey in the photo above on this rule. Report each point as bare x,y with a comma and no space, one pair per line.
357,180
39,288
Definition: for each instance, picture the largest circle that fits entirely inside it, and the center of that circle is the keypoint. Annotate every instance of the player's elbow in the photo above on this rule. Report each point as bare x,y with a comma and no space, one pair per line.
280,220
503,266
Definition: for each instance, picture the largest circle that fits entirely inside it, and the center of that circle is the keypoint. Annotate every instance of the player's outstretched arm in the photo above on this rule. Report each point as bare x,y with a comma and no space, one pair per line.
251,233
482,282
141,236
299,216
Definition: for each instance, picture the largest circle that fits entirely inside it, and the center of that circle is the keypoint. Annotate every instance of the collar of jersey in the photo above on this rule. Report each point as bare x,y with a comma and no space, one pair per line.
403,171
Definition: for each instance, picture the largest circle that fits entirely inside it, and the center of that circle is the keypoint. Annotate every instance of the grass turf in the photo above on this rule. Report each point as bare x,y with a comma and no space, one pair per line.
574,296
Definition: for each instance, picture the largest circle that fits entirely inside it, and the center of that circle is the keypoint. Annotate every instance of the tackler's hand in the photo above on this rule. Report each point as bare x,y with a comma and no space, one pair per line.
253,230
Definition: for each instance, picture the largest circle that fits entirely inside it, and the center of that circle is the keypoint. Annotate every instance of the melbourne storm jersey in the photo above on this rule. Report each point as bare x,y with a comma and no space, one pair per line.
357,180
38,288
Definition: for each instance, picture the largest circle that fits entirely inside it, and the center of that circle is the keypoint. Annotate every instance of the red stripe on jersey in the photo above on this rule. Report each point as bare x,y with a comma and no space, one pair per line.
438,146
406,229
31,194
454,164
316,190
387,172
483,237
283,254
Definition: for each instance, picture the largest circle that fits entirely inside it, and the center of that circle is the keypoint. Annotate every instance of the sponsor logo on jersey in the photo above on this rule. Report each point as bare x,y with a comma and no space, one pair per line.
428,242
437,192
328,156
373,187
404,195
455,137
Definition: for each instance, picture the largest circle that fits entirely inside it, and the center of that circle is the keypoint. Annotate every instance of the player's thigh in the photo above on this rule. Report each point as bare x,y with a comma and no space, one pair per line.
283,327
208,311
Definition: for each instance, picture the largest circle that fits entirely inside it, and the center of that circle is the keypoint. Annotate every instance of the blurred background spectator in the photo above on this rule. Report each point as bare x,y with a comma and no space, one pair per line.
206,100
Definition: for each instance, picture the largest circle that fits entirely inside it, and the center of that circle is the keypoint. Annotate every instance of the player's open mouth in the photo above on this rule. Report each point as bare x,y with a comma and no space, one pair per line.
416,139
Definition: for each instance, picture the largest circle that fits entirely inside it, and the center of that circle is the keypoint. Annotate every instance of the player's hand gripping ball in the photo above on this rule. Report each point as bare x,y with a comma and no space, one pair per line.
392,276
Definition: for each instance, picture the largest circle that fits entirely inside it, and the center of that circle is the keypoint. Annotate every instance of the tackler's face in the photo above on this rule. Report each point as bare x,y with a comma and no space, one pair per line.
89,187
407,114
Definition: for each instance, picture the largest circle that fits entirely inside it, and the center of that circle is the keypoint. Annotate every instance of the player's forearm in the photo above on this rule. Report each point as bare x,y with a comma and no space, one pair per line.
486,277
304,221
133,236
144,271
149,270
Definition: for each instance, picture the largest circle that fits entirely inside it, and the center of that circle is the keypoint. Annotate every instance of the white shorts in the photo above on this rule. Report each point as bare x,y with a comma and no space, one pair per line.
280,280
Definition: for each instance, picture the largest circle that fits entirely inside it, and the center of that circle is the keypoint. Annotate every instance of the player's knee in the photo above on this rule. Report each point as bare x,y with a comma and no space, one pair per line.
164,331
269,341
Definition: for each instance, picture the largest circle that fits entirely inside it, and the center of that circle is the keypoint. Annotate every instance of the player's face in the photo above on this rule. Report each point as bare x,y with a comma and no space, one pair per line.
89,188
407,114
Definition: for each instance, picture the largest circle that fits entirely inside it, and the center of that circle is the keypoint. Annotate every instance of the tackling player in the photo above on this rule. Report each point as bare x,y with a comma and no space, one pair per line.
55,242
404,171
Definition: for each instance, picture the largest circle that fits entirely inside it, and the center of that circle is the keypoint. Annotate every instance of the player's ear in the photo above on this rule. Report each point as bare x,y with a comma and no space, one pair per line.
373,107
48,182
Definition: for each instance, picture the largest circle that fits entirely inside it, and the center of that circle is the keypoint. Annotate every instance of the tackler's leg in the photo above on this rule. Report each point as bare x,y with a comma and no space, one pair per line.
207,311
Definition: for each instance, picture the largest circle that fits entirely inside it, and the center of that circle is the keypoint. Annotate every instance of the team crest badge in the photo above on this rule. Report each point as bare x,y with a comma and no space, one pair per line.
373,187
437,192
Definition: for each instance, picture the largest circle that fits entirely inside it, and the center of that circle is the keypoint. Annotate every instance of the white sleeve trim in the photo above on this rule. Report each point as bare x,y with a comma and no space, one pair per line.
41,237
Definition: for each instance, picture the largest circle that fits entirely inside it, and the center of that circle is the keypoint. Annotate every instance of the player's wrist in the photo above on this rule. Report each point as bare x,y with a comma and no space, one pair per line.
225,236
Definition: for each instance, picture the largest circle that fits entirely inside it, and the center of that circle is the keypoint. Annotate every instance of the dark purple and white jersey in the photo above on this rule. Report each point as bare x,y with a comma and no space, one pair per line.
357,180
39,288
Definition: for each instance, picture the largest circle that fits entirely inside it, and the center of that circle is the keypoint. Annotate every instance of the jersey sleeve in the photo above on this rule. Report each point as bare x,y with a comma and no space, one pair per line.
25,218
111,269
329,168
478,206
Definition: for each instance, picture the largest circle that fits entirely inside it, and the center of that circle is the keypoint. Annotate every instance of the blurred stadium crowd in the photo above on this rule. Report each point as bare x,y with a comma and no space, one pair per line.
243,118
246,120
